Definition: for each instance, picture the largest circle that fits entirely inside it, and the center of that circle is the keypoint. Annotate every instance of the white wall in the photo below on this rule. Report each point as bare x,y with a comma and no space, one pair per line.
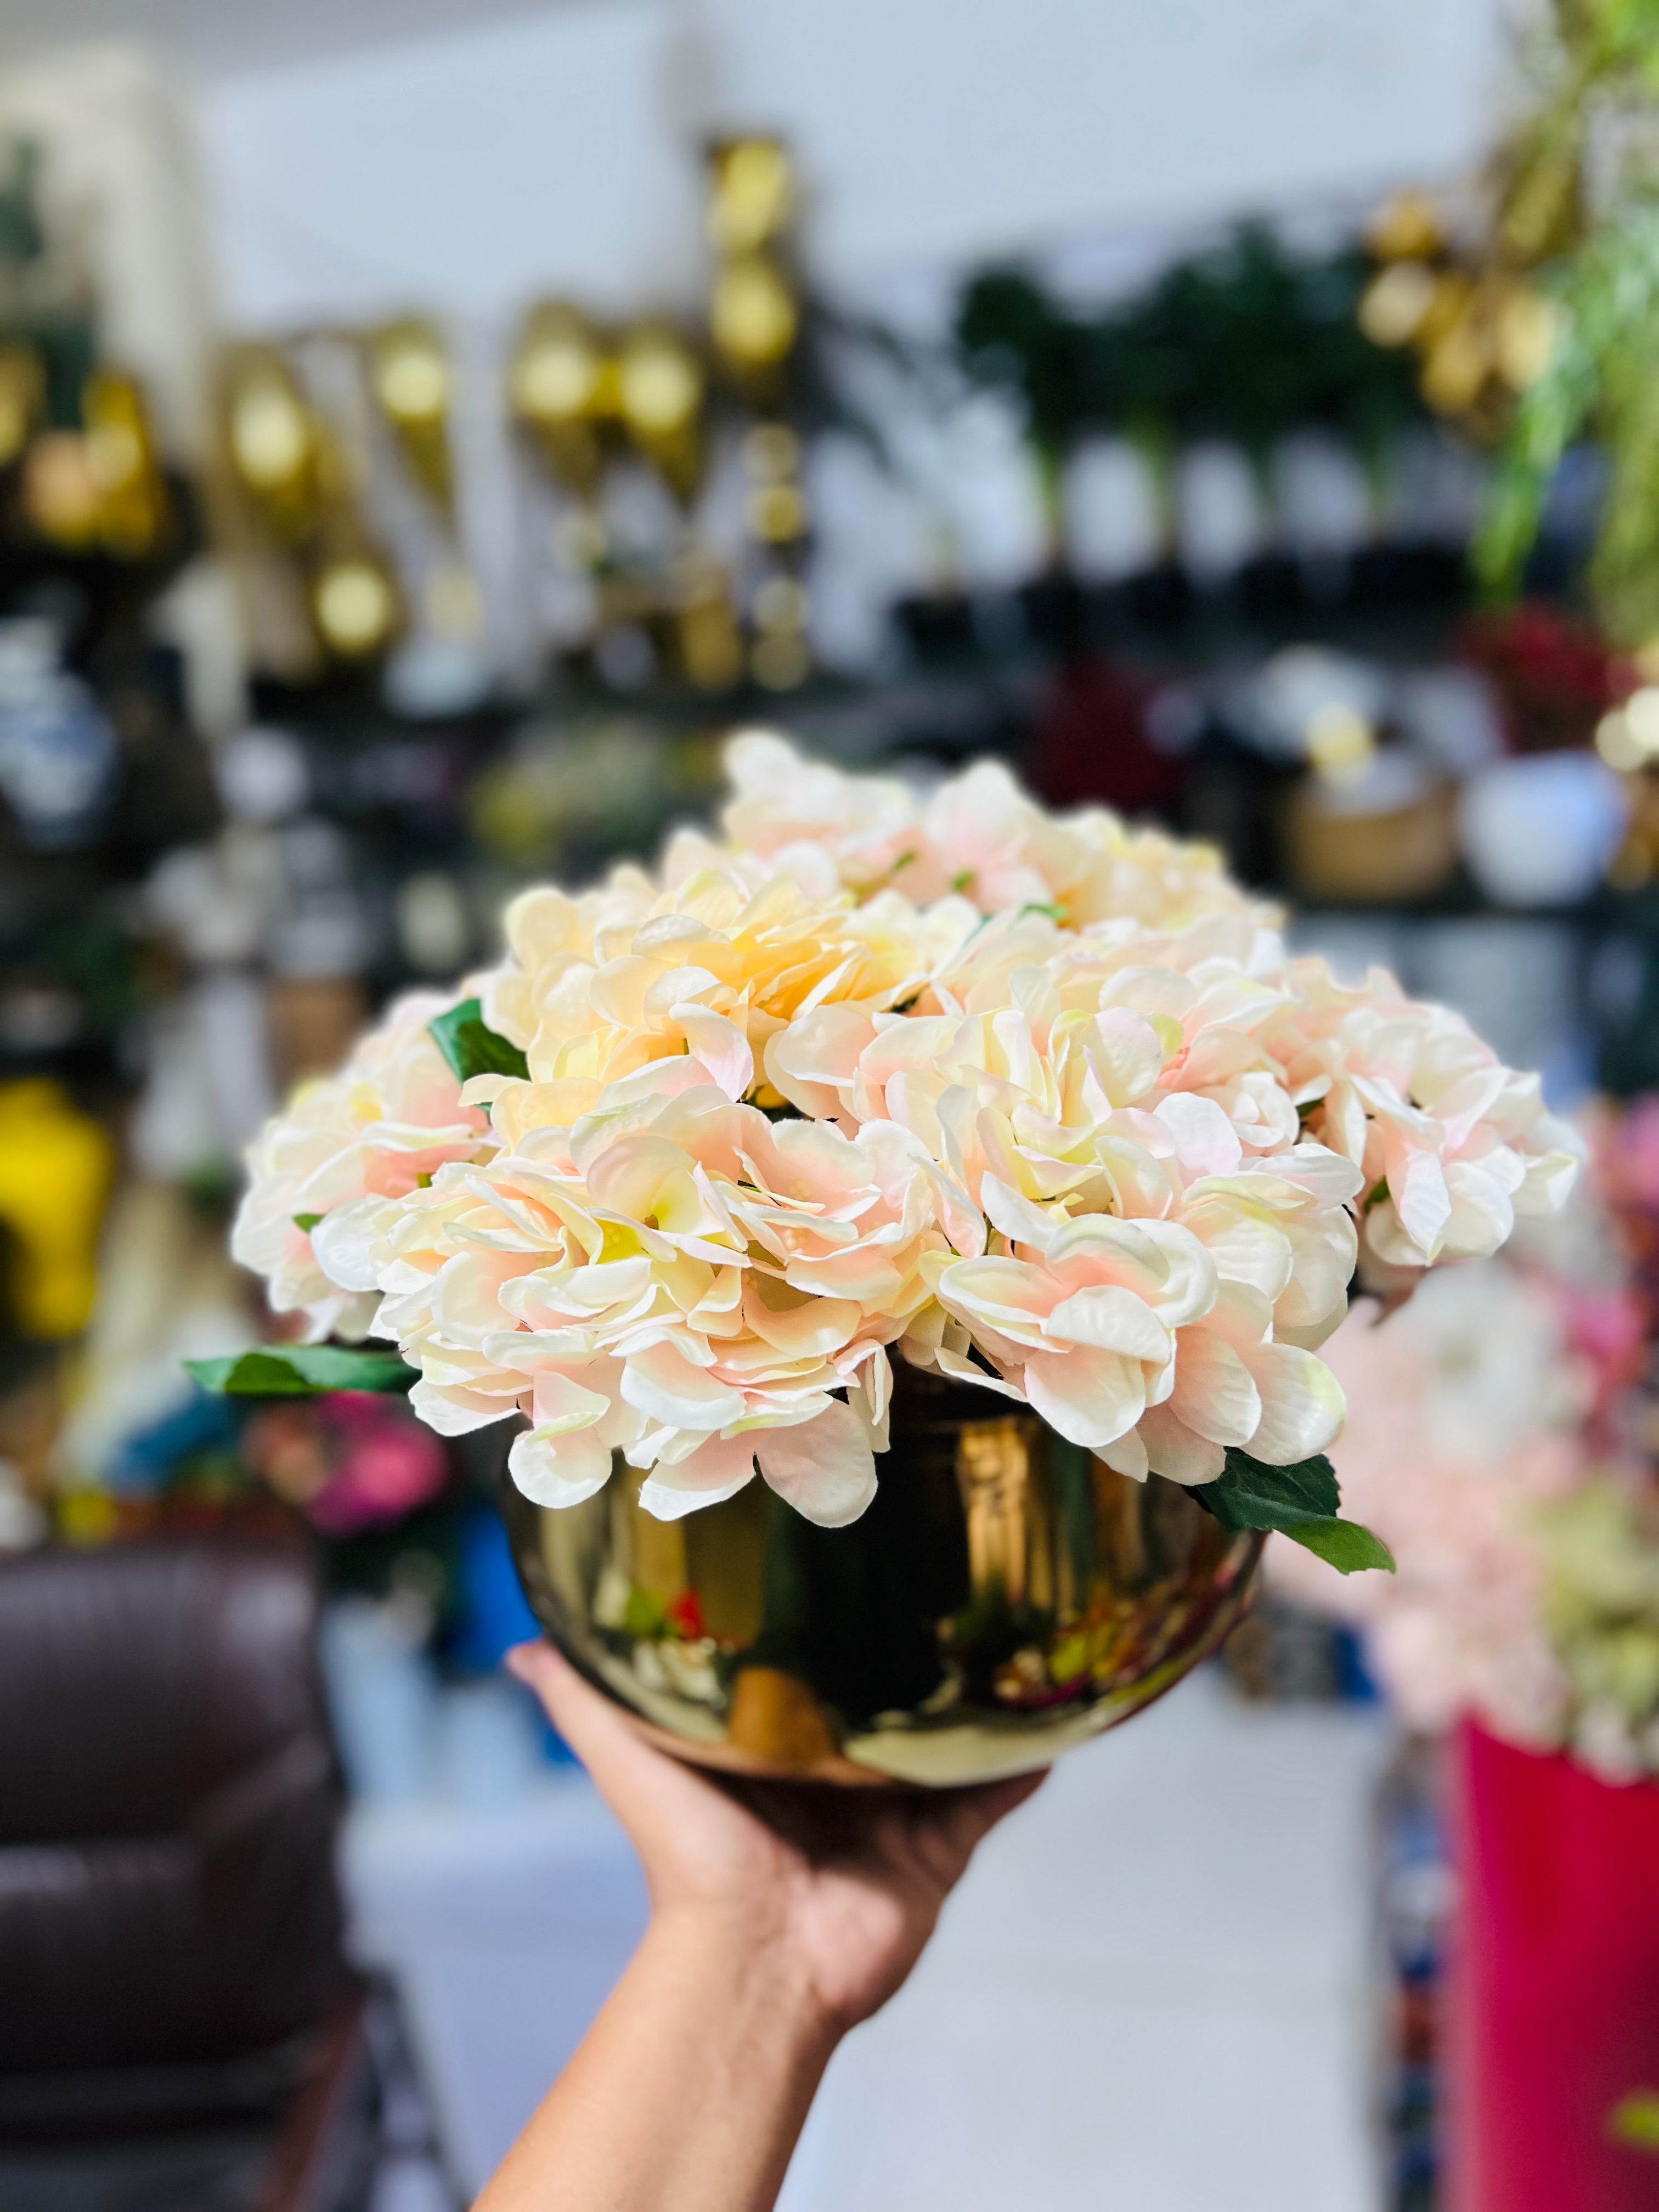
473,167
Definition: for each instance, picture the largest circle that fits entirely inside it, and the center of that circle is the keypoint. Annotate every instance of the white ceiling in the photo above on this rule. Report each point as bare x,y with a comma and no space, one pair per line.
209,39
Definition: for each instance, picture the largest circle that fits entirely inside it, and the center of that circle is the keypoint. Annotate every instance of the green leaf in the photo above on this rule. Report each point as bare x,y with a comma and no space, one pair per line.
1345,1545
302,1370
1250,1494
1300,1501
306,1221
471,1047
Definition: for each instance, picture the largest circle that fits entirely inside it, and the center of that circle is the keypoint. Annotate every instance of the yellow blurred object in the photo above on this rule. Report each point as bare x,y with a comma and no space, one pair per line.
56,1165
780,660
1529,327
86,1515
356,605
22,390
752,193
660,397
753,316
711,650
1457,365
1341,742
273,440
61,494
1407,227
410,370
777,513
558,389
122,459
1394,303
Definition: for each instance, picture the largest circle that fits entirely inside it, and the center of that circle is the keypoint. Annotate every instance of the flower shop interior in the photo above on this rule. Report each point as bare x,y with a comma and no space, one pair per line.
444,450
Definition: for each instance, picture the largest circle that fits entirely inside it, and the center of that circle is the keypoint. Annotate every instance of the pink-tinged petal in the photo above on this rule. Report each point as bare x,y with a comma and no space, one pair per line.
556,1468
1205,1141
1128,1456
1125,1054
801,1328
1421,1201
1482,1211
1550,1178
1175,1452
1302,1404
1015,1216
1011,1295
721,1047
454,1411
663,1384
560,1404
1090,1397
962,1369
1111,1320
823,1468
344,1240
715,1471
1214,1393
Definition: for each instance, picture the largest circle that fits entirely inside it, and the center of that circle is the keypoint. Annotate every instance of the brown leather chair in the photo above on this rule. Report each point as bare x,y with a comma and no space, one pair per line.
179,2029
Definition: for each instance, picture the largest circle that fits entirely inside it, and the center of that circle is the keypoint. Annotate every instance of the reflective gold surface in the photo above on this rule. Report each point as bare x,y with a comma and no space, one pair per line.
1006,1596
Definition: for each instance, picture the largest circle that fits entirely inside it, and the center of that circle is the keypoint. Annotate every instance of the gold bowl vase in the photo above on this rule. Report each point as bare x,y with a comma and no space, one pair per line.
1006,1596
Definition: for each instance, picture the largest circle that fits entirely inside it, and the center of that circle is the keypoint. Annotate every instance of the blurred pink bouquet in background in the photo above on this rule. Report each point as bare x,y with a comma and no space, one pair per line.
1501,1440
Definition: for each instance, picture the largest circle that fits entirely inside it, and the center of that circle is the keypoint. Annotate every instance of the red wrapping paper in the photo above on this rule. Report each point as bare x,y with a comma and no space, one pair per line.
1554,1984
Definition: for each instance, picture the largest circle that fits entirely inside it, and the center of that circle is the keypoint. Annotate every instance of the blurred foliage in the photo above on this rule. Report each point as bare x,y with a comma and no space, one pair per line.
1579,206
1245,342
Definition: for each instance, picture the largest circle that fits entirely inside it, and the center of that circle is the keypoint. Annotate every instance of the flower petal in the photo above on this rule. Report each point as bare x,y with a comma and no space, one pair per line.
823,1468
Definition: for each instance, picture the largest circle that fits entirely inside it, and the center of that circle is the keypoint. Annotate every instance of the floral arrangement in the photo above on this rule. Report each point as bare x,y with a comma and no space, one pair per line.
1501,1439
1038,1103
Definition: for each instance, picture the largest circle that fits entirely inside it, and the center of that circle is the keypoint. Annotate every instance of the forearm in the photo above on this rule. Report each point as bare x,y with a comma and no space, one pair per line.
691,2088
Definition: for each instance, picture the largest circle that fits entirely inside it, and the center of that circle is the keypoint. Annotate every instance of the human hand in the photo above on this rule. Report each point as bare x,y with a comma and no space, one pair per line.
838,1888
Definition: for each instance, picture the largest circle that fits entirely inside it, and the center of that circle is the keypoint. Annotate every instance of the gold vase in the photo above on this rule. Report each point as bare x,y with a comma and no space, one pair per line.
1006,1596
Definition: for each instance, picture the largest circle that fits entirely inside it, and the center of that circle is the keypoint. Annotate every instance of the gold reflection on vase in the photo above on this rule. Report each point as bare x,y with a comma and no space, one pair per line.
1006,1596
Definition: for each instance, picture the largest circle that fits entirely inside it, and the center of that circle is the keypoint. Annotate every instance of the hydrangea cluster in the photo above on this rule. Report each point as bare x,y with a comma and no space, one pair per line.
1040,1103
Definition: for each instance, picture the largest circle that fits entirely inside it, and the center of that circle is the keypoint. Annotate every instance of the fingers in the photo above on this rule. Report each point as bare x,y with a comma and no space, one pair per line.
632,1776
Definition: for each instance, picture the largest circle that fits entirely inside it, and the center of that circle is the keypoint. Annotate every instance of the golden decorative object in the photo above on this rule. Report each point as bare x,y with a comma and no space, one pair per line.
661,388
751,200
559,388
1396,302
409,371
753,316
22,393
121,458
356,605
1406,228
274,442
1006,1596
61,495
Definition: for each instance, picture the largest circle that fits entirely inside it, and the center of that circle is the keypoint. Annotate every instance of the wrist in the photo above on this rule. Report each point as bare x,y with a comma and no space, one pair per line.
749,1968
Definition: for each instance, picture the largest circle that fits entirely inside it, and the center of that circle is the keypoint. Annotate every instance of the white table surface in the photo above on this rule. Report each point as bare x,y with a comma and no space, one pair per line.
1149,1995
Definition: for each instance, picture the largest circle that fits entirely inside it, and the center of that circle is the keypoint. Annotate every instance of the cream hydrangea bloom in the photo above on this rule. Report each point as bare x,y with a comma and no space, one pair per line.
389,1120
673,1276
978,834
1042,1103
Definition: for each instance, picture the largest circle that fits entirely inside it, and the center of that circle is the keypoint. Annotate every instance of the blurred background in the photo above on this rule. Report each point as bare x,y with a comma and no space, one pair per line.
425,435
